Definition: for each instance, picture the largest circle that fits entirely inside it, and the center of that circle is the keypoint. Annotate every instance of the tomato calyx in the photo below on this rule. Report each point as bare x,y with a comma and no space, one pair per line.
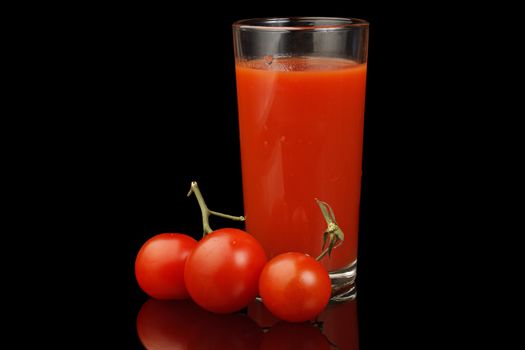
333,235
194,189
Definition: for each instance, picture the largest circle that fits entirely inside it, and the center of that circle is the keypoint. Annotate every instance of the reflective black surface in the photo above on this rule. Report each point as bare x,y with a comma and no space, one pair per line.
184,325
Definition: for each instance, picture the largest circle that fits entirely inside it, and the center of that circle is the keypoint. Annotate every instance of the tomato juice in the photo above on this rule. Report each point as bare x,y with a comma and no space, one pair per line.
301,133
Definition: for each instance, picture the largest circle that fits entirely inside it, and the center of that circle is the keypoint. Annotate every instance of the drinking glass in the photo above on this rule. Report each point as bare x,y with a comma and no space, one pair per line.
301,96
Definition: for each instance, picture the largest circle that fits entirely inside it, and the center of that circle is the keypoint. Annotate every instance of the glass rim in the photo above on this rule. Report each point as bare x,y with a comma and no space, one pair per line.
273,23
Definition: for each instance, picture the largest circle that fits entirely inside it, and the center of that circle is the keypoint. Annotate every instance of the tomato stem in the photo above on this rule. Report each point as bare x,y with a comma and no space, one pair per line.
226,216
333,235
207,212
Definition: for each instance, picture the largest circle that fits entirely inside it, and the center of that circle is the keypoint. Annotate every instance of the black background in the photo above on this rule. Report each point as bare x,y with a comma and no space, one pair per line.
149,103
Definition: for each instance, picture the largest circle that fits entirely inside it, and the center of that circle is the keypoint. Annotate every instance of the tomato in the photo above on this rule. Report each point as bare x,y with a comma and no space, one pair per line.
294,287
159,267
174,324
297,336
222,272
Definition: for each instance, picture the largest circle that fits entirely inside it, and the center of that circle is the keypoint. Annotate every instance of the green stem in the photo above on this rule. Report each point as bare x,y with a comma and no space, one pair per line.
207,212
333,235
322,255
226,216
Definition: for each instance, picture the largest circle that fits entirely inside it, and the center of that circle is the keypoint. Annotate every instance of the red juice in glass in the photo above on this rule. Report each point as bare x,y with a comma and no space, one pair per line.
301,139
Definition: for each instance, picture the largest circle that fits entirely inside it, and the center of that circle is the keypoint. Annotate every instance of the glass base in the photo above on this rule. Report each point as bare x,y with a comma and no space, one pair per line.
343,283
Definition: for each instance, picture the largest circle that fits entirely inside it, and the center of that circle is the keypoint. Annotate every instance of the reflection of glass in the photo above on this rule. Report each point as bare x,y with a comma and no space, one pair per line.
339,322
163,325
297,336
301,94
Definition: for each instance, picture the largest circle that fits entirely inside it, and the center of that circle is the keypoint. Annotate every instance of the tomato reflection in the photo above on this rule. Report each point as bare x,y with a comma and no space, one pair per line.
169,324
175,325
297,336
229,332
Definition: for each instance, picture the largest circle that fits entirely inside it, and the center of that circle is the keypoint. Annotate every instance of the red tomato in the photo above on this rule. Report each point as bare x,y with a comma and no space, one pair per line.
297,336
294,287
159,266
222,272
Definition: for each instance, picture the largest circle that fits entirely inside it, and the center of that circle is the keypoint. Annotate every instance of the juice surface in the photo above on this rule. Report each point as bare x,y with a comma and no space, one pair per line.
301,130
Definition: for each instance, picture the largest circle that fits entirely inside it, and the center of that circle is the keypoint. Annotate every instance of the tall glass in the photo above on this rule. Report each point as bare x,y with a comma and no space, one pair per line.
301,95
